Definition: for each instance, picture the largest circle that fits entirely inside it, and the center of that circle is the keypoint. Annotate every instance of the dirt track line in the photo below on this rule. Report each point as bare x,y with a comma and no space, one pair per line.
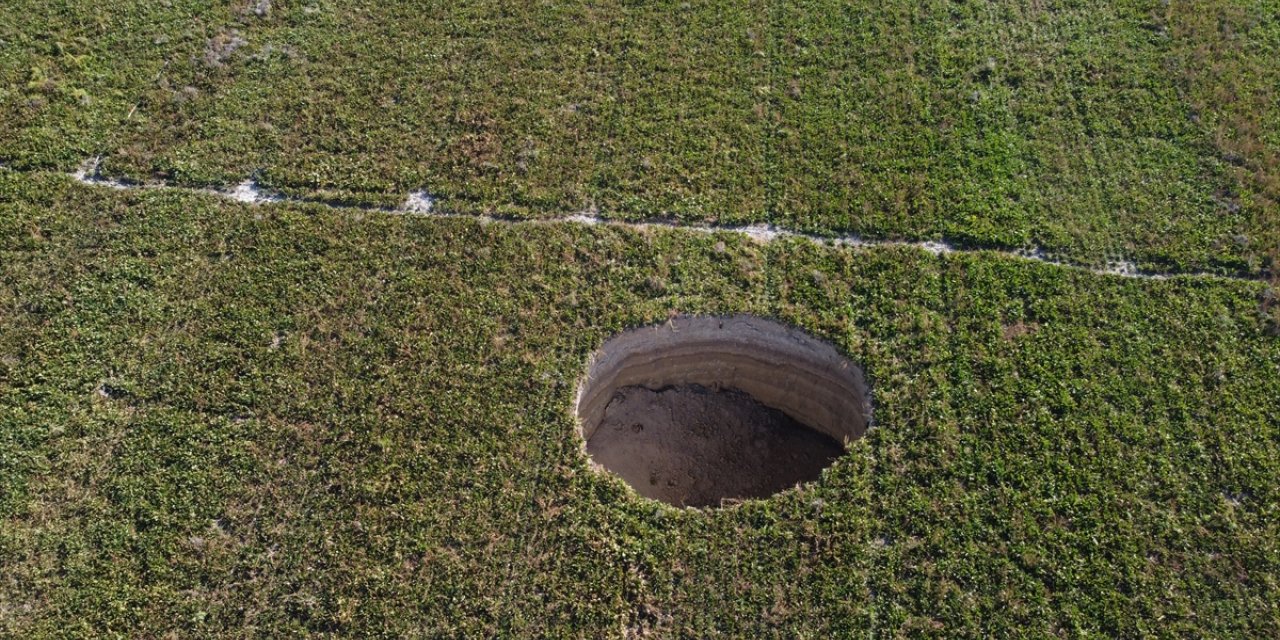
423,204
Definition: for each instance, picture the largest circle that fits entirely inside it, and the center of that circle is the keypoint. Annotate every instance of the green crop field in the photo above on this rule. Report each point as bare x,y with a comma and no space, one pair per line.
327,415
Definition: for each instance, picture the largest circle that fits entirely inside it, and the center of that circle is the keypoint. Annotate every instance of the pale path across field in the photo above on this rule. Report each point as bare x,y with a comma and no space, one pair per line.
421,203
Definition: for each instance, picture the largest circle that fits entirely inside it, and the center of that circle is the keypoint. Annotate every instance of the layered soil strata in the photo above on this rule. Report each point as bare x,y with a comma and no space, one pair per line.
701,409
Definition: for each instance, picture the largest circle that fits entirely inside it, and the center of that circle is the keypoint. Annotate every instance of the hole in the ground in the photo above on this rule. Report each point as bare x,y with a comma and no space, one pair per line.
703,409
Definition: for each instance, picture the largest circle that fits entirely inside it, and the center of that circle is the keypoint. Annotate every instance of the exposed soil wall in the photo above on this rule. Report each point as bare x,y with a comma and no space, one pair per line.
690,446
703,408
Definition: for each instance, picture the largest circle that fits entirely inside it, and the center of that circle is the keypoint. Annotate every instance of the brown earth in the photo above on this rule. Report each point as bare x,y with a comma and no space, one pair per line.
692,446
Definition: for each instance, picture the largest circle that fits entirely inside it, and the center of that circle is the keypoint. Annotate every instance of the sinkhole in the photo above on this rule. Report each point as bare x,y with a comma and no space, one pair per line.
701,410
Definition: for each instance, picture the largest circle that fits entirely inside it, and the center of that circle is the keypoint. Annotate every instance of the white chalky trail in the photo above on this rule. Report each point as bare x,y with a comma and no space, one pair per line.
423,203
249,193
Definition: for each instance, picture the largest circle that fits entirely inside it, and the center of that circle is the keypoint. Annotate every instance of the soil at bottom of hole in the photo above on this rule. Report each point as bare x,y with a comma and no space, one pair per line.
691,446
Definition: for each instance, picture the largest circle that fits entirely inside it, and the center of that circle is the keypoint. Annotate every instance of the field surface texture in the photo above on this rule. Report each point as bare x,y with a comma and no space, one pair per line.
1048,230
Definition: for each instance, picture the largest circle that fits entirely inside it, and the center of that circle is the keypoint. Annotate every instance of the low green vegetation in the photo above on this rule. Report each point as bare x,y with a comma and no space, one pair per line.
1230,80
220,419
74,74
1137,130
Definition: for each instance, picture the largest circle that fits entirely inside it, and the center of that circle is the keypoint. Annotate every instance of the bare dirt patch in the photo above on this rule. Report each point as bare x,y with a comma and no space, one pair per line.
691,446
221,47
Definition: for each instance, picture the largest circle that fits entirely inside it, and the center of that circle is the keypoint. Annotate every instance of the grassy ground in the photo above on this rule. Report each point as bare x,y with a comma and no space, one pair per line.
226,419
1230,82
1095,130
222,419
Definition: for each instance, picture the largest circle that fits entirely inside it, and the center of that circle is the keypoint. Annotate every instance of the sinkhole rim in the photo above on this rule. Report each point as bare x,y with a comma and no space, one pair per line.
777,365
